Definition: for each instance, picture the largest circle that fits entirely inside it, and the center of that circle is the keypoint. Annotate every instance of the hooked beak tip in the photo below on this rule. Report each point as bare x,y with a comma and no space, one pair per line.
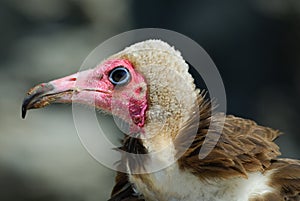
24,110
33,96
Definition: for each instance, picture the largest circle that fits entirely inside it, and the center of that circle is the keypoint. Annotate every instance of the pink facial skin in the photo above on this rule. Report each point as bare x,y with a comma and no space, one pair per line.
129,99
93,87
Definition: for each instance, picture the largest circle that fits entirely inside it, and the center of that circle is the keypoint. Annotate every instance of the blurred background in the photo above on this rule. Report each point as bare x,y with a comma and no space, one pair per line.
254,43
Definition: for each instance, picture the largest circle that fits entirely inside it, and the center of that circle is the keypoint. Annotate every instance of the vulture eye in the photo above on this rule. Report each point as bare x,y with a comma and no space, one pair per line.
119,76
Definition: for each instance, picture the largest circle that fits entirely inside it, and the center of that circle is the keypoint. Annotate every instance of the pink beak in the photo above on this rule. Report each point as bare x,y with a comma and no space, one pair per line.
62,90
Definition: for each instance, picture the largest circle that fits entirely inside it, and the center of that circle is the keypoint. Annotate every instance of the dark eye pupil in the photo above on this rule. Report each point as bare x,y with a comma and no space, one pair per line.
119,76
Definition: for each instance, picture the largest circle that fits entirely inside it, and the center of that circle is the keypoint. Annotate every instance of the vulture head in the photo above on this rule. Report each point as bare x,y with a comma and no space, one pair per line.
147,85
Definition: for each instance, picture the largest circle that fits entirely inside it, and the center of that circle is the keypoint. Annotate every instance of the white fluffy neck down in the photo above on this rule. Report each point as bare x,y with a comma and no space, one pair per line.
172,184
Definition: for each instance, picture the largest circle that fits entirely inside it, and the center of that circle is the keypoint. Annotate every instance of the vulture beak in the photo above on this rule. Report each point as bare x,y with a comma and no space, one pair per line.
67,90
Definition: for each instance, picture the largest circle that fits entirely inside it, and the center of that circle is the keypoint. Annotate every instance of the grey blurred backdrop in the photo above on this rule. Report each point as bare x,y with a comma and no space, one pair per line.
254,43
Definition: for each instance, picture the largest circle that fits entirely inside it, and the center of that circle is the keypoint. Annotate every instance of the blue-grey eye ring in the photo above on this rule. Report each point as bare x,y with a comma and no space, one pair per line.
119,76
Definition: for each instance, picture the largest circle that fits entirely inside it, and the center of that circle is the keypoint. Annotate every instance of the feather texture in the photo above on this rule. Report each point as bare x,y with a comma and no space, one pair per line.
243,148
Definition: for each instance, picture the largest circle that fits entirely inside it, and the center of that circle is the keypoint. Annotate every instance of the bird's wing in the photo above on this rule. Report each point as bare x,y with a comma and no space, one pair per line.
242,147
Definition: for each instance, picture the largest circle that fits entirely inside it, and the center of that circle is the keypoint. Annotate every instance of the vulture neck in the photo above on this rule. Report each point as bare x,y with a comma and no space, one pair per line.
172,102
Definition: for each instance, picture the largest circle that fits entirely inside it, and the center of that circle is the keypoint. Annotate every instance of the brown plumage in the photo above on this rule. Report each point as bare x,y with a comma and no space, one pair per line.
243,147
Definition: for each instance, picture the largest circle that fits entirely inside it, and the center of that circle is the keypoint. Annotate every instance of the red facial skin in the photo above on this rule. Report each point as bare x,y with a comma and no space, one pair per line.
93,87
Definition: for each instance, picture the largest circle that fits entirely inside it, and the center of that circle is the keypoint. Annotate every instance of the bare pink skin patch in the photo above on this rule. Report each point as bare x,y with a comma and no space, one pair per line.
128,99
132,93
137,109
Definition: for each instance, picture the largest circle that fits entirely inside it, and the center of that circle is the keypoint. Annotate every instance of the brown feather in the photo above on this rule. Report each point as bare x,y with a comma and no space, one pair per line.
123,189
286,179
243,146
